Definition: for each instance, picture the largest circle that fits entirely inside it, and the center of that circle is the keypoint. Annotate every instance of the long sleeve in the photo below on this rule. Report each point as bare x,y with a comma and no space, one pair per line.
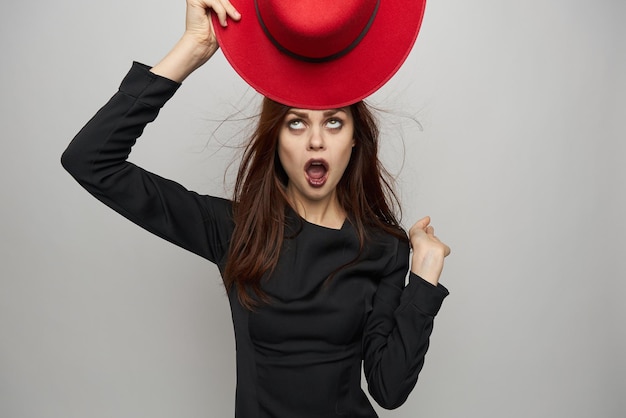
97,159
397,332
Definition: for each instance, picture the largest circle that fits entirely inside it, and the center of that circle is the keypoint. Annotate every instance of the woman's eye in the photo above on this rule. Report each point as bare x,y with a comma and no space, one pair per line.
295,124
334,124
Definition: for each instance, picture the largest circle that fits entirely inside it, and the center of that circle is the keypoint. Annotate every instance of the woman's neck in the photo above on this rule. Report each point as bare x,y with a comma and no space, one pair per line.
327,213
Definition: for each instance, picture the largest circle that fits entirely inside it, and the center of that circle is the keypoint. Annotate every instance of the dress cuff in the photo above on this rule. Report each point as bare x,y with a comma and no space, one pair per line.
424,295
147,87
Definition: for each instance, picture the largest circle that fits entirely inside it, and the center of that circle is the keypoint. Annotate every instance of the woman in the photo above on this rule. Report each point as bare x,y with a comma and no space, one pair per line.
311,253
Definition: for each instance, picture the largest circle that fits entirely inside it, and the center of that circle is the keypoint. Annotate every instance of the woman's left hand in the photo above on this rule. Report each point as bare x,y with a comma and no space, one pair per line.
428,251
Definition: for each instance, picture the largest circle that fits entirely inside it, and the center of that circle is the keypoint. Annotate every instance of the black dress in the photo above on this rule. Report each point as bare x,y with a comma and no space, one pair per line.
301,355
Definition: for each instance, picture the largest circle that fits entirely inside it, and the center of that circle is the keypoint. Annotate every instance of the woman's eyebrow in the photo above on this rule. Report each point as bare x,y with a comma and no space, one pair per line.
299,114
331,112
304,114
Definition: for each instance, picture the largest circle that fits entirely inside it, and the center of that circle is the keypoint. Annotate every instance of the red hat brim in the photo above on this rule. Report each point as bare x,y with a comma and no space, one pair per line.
327,85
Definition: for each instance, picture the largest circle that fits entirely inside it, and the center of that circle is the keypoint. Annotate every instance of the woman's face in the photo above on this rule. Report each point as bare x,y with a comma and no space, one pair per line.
314,148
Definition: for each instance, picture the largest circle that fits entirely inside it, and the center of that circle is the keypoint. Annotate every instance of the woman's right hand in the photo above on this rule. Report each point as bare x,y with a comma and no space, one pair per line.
198,24
198,43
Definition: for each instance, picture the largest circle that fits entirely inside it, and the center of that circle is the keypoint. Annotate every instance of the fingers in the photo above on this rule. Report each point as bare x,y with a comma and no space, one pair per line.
224,9
421,224
422,231
231,11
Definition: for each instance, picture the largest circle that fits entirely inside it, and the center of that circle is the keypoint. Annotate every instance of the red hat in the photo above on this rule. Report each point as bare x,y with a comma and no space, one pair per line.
319,54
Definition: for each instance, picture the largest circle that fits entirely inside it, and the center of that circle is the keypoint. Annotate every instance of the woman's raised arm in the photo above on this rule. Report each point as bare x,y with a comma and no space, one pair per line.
97,156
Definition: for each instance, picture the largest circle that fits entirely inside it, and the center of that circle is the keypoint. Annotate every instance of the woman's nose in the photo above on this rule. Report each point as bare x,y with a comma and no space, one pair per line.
316,140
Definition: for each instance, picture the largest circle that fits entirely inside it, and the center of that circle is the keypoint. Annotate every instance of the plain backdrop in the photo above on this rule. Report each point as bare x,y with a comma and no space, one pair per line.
506,125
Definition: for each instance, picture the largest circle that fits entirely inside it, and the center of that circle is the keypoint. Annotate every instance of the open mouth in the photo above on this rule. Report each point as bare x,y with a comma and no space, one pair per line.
316,172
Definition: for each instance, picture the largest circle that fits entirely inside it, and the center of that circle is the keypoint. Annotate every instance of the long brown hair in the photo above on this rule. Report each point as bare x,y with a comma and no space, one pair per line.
259,203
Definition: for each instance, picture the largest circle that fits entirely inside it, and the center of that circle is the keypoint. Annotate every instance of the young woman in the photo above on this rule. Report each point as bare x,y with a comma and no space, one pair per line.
312,255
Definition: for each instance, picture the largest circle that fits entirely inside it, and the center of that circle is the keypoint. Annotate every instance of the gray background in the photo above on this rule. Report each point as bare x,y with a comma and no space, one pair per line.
519,160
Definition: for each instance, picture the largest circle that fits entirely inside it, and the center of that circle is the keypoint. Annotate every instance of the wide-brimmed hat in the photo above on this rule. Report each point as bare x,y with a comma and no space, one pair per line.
319,54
